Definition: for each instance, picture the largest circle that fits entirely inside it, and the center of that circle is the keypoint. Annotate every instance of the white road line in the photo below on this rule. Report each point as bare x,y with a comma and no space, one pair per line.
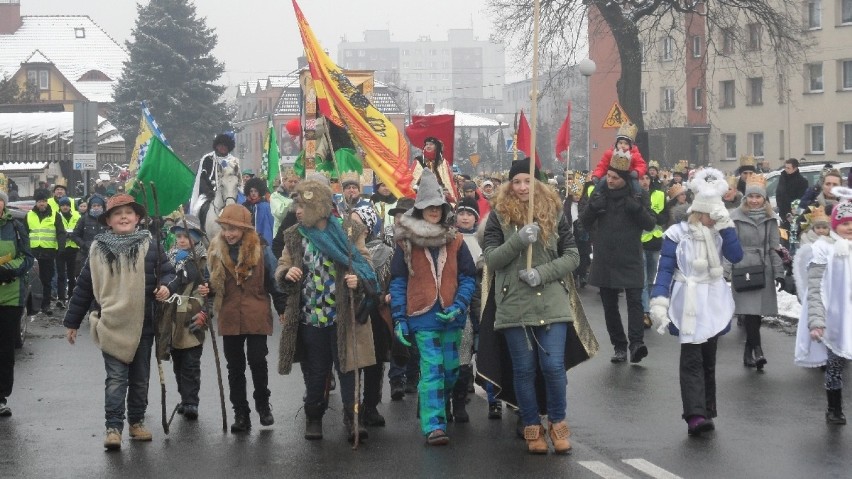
650,469
603,470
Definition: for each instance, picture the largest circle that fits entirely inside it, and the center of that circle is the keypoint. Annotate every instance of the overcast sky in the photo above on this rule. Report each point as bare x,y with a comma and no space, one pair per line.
258,38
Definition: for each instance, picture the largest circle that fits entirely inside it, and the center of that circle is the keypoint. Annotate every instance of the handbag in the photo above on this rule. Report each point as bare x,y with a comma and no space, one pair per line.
749,278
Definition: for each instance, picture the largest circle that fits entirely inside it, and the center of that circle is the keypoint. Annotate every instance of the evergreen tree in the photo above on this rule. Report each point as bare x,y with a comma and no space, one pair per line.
172,67
9,90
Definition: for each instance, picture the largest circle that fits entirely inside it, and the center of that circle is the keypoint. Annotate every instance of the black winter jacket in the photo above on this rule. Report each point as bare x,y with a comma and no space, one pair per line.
84,296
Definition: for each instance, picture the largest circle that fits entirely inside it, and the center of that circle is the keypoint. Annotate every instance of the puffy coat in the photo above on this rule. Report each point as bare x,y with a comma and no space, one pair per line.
17,261
757,239
519,304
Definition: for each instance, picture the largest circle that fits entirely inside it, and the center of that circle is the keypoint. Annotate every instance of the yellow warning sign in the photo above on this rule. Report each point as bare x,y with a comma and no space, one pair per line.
615,117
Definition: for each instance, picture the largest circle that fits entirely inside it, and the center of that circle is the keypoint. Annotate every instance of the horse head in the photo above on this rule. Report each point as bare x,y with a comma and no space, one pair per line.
230,181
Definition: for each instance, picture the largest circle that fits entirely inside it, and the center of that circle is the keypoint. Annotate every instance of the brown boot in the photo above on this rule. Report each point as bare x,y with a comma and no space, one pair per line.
535,439
139,432
559,433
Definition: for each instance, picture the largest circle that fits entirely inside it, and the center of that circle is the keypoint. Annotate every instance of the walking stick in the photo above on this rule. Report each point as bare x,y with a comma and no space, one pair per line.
212,331
533,119
156,308
354,350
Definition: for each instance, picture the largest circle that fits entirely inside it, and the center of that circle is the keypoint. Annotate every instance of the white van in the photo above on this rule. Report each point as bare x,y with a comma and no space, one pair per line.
810,172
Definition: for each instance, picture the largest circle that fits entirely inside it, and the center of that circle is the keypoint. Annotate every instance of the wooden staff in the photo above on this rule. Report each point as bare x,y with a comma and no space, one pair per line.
354,346
534,120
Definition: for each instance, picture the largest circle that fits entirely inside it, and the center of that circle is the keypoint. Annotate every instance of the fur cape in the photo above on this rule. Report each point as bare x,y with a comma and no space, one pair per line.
219,261
410,230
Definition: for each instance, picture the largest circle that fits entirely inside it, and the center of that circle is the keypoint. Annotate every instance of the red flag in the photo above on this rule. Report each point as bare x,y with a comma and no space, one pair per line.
563,136
524,137
442,127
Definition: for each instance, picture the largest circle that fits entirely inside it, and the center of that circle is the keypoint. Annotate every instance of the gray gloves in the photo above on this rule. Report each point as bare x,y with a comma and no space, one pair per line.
530,276
529,233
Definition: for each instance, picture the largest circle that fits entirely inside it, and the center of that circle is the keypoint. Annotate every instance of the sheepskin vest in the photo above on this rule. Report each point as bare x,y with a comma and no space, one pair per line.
433,280
117,327
241,303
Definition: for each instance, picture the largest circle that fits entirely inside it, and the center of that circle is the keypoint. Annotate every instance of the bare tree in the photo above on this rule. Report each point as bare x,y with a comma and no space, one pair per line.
565,25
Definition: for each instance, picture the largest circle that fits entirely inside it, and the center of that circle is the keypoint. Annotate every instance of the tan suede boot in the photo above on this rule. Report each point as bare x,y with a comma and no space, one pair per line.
536,444
559,433
139,432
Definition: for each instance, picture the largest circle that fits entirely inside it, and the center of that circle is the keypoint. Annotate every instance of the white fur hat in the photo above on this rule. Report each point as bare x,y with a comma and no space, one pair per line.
709,185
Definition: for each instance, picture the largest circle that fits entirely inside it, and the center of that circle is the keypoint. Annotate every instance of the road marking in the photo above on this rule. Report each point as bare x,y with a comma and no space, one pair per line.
650,469
603,470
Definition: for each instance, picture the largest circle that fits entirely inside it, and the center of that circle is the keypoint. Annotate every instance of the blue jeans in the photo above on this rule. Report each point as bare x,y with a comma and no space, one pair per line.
545,344
128,381
651,260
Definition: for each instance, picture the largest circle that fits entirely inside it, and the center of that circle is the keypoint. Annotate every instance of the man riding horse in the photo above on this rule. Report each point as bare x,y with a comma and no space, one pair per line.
207,179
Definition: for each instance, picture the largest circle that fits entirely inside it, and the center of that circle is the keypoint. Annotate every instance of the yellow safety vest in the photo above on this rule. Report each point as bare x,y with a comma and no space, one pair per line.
658,202
42,231
589,190
55,206
69,227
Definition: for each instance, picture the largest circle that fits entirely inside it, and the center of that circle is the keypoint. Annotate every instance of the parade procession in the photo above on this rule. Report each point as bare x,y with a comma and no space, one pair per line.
341,273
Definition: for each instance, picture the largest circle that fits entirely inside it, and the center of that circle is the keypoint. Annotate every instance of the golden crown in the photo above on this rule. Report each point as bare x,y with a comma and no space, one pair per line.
732,181
620,161
817,214
627,130
675,190
758,180
654,164
747,160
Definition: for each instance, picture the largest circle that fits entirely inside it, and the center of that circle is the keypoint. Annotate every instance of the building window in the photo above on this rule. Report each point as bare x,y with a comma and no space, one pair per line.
79,32
815,14
730,142
755,91
40,78
668,99
697,44
846,11
643,101
405,52
698,98
728,94
348,54
668,49
817,136
846,134
753,36
644,53
814,72
756,143
846,74
362,53
727,42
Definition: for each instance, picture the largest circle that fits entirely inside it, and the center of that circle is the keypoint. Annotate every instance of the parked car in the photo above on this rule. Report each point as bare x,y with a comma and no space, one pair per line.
810,172
33,284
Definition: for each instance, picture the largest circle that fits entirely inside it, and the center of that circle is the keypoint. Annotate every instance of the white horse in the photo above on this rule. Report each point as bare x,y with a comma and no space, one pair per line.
225,192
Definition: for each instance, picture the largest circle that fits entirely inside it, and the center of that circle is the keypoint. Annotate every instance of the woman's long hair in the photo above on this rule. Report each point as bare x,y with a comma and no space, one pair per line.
548,205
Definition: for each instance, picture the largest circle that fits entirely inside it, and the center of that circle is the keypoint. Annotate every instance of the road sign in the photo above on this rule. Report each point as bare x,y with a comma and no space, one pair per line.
85,161
509,145
615,117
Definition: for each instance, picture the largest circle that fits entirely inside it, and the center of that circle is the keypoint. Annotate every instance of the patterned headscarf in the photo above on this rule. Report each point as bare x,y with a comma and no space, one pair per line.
367,215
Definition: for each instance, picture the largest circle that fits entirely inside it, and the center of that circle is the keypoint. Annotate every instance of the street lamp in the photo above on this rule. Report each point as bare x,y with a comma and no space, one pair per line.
501,146
587,68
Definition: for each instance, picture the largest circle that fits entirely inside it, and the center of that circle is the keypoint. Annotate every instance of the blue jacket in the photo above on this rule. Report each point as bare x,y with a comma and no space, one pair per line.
261,215
428,321
84,296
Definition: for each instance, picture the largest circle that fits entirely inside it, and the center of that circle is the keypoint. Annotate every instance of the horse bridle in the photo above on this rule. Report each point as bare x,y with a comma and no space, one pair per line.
216,188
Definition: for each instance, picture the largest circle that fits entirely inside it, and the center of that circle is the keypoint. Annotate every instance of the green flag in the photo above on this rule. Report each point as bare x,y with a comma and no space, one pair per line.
269,166
174,180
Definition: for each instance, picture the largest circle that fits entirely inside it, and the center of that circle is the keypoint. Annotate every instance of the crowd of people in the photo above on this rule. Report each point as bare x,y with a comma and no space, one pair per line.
471,272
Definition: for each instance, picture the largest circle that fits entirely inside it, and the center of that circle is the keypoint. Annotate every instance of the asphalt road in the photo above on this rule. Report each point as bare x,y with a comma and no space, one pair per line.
625,421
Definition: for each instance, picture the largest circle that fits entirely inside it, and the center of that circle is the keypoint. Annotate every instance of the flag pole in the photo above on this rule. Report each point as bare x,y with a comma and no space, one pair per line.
534,120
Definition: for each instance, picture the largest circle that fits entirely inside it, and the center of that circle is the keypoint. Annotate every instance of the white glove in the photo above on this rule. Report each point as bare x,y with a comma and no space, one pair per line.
722,218
660,313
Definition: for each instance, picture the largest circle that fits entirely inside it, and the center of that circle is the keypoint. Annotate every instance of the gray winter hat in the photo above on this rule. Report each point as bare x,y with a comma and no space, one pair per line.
429,193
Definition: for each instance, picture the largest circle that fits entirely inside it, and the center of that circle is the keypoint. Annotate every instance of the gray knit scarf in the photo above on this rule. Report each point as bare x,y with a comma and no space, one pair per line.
112,246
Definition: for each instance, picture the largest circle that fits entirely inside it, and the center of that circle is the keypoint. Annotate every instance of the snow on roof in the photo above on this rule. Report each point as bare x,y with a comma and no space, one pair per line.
34,127
73,43
467,119
20,166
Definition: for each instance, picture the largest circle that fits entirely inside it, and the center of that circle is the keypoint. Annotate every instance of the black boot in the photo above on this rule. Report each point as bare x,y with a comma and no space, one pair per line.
265,413
371,417
834,413
313,421
353,428
397,387
448,410
460,414
242,422
748,356
759,359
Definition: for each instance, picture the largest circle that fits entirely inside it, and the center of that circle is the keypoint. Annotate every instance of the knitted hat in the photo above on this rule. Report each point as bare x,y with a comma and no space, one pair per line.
522,166
487,183
842,211
41,194
756,184
236,215
430,193
708,185
97,199
470,205
402,205
66,201
121,200
316,201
